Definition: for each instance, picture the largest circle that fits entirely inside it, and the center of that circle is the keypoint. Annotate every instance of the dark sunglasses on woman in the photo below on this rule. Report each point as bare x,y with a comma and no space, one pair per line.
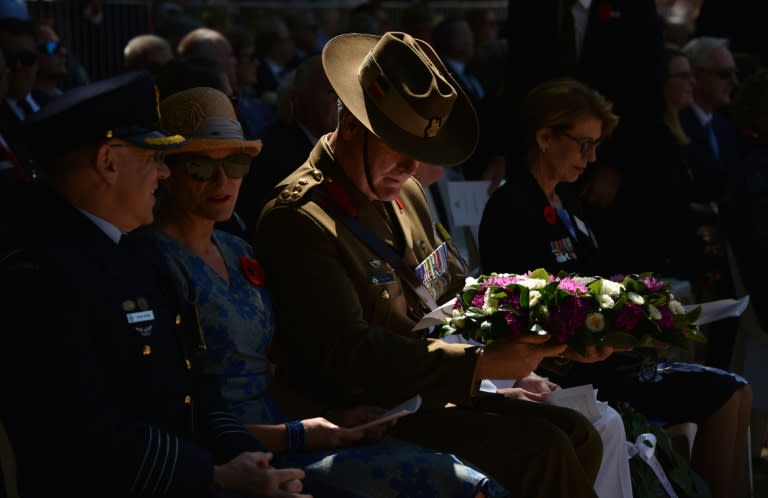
203,168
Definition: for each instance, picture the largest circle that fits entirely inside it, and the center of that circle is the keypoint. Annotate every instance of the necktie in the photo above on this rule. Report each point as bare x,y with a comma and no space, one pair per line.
712,139
568,57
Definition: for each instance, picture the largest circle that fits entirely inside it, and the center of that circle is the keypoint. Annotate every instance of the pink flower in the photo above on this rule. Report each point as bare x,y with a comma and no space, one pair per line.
652,284
572,286
566,320
628,316
667,320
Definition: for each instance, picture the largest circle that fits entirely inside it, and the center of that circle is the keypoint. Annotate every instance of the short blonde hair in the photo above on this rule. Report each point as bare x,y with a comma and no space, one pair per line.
559,103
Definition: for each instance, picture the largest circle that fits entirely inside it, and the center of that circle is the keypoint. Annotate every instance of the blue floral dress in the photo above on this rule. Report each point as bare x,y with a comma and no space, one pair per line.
238,324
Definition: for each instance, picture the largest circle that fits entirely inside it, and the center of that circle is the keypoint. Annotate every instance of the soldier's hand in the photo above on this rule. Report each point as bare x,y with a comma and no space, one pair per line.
592,354
251,473
514,358
352,417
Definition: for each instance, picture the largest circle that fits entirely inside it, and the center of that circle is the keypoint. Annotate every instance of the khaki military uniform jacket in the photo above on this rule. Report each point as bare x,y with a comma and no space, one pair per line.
345,316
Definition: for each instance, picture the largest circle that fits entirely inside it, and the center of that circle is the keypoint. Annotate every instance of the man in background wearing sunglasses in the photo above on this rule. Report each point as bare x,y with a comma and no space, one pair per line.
713,138
713,154
17,43
51,63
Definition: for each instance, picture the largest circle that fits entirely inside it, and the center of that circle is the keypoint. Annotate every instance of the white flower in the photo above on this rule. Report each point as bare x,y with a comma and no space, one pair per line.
469,282
491,304
533,283
533,297
611,288
595,321
676,308
636,298
606,301
654,312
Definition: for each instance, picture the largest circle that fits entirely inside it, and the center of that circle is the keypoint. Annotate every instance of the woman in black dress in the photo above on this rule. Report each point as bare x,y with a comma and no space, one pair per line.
535,221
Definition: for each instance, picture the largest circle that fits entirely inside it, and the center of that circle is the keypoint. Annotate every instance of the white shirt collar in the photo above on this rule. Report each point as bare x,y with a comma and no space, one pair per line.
108,228
703,117
585,4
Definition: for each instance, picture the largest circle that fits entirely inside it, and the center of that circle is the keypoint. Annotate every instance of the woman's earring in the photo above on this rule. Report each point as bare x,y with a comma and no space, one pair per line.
543,150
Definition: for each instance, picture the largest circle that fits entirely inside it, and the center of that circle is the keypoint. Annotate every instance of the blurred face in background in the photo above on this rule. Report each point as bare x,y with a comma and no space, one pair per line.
21,58
51,55
678,88
716,81
247,67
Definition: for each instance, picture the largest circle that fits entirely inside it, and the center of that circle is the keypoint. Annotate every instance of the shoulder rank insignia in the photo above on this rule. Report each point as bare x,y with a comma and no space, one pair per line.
294,191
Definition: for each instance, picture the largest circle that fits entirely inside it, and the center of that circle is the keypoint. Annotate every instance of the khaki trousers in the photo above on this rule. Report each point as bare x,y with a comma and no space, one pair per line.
534,450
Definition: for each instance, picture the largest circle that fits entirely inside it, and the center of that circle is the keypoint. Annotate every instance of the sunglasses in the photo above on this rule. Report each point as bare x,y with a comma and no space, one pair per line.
724,74
585,145
203,169
26,59
51,47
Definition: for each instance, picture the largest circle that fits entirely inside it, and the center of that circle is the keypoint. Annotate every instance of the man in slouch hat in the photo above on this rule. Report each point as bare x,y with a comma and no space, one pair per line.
354,263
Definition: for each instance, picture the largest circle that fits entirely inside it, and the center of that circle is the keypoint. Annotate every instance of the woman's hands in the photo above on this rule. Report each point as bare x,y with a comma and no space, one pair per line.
324,433
320,433
251,473
530,388
352,417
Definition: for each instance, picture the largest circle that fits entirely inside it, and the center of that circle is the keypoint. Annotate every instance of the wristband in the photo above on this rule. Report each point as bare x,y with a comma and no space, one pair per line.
295,431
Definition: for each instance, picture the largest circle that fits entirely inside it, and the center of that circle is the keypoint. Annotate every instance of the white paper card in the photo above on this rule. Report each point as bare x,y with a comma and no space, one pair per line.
713,311
436,316
406,408
466,201
583,399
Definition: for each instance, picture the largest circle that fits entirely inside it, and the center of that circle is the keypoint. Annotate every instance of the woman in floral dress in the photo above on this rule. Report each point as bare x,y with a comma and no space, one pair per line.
219,274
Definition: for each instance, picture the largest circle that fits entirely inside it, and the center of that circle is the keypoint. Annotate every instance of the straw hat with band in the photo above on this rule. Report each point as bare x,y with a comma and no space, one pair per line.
398,88
206,118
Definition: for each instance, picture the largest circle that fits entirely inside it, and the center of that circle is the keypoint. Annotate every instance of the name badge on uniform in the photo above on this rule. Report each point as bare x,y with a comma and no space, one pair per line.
140,316
381,278
562,250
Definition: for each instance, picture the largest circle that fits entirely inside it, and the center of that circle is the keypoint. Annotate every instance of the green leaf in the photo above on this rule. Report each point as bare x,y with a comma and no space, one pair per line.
524,296
540,273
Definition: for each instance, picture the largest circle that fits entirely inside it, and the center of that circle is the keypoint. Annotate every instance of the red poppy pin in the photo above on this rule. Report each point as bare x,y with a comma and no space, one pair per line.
252,270
605,12
550,215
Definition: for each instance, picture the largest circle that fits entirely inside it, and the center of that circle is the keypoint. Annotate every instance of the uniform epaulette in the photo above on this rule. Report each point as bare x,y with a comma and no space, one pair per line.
295,190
